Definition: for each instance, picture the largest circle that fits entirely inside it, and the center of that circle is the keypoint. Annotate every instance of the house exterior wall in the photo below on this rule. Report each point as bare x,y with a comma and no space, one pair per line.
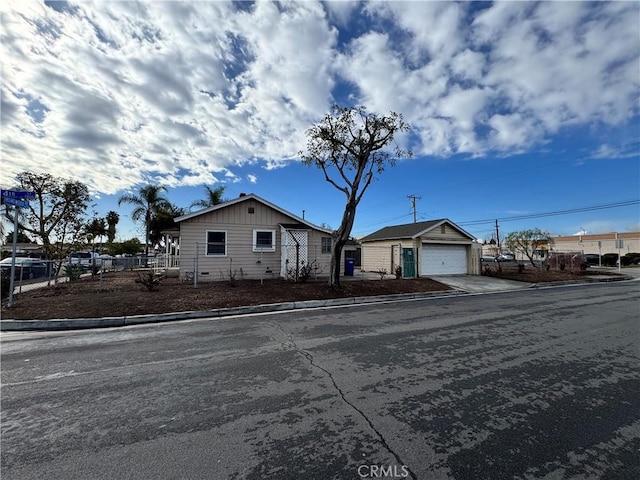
383,254
241,256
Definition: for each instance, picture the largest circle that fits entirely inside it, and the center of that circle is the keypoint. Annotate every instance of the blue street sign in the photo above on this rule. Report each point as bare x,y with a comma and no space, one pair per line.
16,202
19,194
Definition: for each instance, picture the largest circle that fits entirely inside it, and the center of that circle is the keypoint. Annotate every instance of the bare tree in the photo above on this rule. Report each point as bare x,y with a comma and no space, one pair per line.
349,146
527,242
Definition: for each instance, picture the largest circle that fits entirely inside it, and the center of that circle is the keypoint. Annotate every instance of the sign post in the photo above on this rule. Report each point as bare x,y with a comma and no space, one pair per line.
18,199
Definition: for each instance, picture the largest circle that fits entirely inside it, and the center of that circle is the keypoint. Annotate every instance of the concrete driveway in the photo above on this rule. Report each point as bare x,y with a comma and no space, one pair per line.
480,283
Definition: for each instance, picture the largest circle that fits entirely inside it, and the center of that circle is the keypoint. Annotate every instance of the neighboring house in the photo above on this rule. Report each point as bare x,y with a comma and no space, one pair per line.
250,237
435,247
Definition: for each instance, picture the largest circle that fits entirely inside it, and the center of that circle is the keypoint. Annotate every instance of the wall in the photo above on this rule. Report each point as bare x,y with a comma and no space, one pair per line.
240,258
589,243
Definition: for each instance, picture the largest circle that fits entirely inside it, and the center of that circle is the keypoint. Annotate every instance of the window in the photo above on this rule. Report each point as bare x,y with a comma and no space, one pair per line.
442,229
264,240
251,210
326,244
216,243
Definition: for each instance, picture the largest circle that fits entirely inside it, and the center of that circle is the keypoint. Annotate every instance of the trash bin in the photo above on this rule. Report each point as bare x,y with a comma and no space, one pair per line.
349,266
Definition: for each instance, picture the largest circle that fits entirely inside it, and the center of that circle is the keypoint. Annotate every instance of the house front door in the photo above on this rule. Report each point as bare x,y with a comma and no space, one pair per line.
294,252
408,263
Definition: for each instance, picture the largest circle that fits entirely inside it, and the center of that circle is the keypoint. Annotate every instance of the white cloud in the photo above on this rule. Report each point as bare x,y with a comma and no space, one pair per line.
117,93
252,178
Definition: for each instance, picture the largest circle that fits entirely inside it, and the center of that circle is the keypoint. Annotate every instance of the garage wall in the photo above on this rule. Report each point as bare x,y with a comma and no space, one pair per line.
382,255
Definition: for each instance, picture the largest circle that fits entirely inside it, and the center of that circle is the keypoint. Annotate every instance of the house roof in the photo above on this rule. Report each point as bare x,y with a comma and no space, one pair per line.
244,198
411,230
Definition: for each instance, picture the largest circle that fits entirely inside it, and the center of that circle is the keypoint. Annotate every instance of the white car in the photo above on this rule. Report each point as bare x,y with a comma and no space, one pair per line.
86,260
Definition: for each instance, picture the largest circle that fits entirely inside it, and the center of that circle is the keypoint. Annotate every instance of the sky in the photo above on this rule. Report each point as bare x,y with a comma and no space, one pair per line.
528,113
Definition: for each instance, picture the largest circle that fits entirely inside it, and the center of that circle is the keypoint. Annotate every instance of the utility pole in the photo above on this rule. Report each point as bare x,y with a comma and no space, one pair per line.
413,204
498,238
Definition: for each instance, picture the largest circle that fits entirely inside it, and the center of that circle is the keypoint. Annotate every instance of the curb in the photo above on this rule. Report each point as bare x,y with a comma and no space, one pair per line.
110,322
607,279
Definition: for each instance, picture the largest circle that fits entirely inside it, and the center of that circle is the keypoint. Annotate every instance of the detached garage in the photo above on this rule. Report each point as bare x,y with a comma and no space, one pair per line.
435,247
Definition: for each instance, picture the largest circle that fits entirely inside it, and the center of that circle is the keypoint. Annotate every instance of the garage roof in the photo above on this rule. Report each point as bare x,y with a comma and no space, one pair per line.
410,230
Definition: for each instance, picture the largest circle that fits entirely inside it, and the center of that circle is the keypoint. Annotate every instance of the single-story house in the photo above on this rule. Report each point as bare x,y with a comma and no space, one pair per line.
434,247
249,237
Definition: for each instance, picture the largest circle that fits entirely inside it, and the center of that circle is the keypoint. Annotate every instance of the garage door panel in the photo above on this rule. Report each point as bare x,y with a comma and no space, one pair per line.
444,259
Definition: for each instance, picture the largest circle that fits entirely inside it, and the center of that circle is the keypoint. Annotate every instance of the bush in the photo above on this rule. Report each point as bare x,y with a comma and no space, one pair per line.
149,279
630,259
610,259
73,272
398,272
6,283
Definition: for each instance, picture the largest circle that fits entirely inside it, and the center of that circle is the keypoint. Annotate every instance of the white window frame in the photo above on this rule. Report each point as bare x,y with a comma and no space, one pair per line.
206,252
258,248
322,245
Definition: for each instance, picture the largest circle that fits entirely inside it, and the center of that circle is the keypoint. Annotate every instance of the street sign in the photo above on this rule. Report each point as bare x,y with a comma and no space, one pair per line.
16,202
18,194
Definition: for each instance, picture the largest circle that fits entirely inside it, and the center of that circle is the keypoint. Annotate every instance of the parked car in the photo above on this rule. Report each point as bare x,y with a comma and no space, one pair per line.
26,268
86,260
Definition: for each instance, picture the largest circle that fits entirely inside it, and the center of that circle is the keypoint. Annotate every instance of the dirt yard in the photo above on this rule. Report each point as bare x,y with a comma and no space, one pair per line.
536,275
118,294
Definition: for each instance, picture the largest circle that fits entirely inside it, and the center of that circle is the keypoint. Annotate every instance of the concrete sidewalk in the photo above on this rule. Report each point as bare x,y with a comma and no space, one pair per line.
480,283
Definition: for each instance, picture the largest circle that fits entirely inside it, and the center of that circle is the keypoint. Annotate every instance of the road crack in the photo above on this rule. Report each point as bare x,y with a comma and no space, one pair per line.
291,343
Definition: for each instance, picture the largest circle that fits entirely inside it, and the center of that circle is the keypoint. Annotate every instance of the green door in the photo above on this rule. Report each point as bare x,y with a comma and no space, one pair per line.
408,263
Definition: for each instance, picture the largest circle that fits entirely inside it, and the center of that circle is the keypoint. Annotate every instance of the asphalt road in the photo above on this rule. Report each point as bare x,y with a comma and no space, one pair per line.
529,385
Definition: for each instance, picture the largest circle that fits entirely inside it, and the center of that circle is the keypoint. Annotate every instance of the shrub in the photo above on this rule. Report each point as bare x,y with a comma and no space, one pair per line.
610,259
398,272
73,272
149,279
630,259
6,283
303,273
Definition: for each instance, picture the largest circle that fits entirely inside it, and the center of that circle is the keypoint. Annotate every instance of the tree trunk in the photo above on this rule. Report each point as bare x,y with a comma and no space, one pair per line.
340,237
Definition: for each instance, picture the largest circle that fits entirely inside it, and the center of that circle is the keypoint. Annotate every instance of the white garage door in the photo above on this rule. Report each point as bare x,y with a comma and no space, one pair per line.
444,259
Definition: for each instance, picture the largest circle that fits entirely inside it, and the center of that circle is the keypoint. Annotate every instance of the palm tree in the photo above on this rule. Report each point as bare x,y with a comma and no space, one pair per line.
214,197
147,204
112,220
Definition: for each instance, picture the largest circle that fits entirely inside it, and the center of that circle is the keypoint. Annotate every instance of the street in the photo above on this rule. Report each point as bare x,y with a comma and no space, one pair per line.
543,383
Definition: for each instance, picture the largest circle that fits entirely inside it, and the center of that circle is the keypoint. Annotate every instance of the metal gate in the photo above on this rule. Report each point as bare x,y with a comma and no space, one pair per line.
294,250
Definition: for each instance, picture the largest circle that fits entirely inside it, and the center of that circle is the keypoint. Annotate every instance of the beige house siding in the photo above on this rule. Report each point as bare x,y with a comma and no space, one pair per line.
382,255
241,258
449,235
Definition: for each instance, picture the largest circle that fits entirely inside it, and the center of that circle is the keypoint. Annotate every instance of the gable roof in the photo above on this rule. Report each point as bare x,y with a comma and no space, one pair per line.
411,230
244,198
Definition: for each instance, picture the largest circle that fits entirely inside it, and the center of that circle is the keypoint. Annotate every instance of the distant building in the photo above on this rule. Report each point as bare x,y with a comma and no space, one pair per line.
598,243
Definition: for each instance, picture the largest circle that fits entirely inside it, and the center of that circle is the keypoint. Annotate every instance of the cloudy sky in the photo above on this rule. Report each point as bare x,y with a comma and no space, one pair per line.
516,108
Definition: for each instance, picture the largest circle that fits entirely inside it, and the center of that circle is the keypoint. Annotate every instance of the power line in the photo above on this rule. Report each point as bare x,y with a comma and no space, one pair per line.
624,203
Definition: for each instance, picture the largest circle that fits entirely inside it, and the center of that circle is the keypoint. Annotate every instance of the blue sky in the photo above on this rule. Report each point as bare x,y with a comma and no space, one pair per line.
516,108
